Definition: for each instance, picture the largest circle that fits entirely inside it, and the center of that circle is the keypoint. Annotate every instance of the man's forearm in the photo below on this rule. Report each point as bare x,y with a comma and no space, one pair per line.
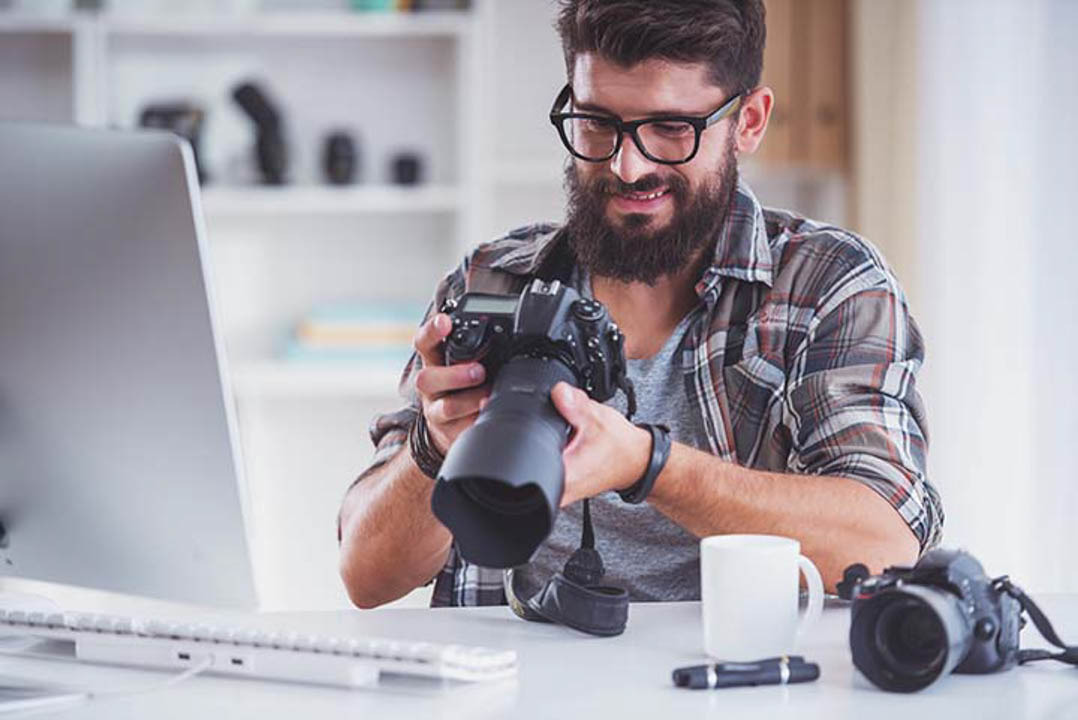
391,542
839,521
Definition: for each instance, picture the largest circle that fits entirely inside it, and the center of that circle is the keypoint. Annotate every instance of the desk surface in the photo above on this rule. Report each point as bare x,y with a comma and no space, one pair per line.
565,674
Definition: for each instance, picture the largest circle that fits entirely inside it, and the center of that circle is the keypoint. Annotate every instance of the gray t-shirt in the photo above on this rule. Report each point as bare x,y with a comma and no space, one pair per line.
644,552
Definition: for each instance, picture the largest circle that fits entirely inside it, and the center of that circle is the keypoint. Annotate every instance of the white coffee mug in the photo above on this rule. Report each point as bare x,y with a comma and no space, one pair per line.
750,590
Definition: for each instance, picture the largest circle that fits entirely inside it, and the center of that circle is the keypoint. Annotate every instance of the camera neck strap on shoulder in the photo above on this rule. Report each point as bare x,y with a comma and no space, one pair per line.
1069,653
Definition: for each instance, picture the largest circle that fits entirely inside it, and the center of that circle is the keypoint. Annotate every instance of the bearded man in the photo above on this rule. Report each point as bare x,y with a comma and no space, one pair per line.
779,351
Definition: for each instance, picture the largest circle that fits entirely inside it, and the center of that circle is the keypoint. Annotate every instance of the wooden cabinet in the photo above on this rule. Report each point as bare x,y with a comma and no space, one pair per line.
805,64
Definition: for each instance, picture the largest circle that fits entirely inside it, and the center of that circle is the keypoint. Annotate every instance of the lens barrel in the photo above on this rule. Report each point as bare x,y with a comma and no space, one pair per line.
501,483
904,639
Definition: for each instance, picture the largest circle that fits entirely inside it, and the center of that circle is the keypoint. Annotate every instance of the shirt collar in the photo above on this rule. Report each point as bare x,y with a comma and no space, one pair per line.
742,250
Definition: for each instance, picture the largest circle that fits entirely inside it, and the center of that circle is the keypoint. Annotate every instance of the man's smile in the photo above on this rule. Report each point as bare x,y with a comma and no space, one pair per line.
640,202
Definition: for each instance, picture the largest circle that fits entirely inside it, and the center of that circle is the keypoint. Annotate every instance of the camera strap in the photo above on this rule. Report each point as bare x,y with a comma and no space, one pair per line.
1069,653
573,597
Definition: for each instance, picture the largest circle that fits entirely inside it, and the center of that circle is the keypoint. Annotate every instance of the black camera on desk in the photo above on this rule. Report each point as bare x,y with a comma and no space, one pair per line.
911,626
501,483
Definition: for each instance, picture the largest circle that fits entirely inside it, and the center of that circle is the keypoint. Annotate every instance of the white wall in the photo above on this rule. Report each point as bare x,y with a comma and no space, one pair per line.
996,262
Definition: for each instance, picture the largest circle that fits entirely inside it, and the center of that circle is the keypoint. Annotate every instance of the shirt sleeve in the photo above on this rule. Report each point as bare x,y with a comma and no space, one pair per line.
854,403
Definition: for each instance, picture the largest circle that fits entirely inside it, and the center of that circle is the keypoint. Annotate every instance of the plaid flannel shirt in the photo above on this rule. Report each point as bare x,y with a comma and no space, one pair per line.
824,383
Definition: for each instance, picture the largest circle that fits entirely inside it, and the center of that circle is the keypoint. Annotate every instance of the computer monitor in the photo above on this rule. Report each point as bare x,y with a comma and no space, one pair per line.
119,463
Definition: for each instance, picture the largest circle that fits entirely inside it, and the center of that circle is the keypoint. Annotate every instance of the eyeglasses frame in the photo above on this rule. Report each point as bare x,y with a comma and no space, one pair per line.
698,122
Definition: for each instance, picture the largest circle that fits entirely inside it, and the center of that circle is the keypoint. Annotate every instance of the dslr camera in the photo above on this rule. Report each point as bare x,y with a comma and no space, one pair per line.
910,626
500,485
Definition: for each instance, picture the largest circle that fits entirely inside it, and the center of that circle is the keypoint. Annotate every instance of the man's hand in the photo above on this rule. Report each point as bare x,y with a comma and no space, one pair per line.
606,452
451,396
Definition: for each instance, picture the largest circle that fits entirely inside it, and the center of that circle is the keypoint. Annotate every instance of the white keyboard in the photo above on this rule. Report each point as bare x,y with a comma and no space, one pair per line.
250,653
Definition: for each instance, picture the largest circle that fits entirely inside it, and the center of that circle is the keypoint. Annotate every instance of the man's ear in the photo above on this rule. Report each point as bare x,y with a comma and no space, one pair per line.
752,119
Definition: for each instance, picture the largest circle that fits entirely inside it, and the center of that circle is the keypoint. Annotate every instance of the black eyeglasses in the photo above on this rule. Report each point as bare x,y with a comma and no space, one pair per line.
666,139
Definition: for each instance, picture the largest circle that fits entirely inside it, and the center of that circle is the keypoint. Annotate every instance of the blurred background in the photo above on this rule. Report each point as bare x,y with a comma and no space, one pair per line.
351,153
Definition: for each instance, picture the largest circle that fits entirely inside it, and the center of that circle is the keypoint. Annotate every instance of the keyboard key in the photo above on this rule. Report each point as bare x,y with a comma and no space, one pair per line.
203,633
304,642
245,636
327,644
105,624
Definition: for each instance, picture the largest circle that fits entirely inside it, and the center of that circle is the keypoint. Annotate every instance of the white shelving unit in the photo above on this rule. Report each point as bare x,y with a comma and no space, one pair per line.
318,24
337,201
397,82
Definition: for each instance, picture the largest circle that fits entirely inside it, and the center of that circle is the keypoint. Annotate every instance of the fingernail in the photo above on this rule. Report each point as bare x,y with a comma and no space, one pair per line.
440,322
476,372
568,395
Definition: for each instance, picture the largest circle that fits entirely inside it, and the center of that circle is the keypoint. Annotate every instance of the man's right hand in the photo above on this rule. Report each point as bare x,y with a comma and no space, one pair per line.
451,395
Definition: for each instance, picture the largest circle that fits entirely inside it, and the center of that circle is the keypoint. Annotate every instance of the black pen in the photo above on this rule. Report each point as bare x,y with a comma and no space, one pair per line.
772,671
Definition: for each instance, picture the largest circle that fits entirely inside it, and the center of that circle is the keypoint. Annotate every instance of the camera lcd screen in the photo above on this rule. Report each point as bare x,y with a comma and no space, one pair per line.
490,305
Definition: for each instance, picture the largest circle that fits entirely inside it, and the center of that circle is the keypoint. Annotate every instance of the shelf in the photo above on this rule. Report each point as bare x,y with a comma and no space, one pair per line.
446,23
328,200
11,22
443,23
277,378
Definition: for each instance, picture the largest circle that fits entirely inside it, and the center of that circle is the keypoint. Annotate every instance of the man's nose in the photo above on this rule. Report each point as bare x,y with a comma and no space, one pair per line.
629,164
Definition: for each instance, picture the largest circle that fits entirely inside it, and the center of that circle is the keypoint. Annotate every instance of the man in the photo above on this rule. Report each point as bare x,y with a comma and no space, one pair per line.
779,351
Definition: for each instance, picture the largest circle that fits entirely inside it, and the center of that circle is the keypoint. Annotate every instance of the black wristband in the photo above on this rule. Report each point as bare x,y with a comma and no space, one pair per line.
660,452
426,456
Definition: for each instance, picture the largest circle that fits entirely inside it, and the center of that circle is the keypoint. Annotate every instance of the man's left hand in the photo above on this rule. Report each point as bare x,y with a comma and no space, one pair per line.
606,452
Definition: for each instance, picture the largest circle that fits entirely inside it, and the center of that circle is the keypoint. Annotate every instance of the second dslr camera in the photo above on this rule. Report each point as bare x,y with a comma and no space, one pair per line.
910,626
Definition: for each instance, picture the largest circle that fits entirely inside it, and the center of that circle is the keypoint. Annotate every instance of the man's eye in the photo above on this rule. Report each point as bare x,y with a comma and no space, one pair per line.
676,129
593,125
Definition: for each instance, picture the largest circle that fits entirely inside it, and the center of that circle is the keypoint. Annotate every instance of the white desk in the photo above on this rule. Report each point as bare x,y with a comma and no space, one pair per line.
565,674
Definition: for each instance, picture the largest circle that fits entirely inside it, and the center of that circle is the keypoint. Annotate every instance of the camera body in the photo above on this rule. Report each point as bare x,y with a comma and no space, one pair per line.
500,485
545,320
909,626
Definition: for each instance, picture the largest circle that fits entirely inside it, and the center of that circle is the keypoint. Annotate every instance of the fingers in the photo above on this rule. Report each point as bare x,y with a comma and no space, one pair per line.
429,337
445,435
434,381
573,404
457,406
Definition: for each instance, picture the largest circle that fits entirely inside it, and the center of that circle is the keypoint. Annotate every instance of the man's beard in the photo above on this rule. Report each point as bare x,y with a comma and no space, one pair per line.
632,252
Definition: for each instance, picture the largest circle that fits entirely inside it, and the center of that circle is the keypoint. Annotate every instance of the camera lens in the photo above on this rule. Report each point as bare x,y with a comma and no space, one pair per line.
904,639
501,482
498,497
910,638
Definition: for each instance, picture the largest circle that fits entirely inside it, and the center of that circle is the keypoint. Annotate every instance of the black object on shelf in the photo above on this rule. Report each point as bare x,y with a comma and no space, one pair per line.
406,168
182,118
270,146
340,158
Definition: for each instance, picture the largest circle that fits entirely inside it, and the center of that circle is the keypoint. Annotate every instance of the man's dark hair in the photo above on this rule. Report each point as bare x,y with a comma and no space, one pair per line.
726,35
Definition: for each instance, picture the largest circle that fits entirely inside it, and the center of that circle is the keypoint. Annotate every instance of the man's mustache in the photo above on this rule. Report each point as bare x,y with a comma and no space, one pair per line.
613,186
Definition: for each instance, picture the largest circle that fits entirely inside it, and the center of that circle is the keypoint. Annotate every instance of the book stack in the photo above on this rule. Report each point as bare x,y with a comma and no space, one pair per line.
373,335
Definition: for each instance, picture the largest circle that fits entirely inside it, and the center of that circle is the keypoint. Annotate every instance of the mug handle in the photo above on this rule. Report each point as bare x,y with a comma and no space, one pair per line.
815,595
